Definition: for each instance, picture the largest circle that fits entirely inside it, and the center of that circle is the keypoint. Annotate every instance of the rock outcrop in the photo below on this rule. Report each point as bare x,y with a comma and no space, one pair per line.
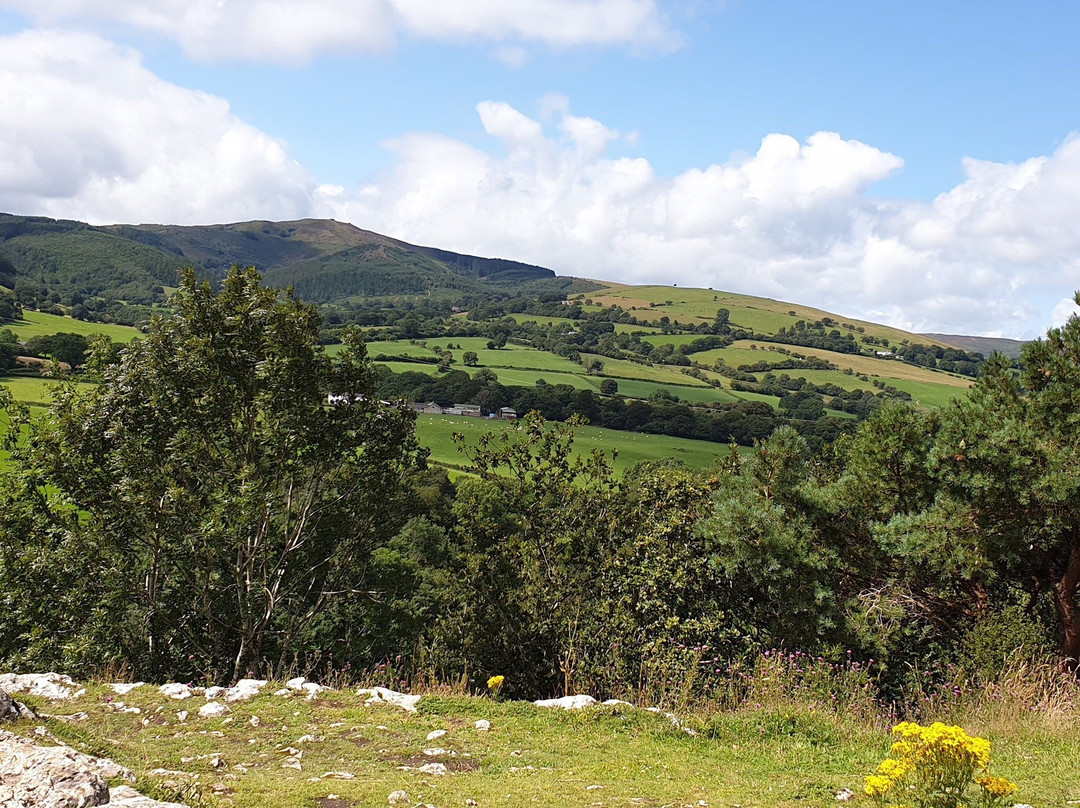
34,776
11,710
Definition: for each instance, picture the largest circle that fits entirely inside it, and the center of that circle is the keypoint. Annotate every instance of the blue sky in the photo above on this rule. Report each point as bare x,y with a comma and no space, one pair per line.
910,162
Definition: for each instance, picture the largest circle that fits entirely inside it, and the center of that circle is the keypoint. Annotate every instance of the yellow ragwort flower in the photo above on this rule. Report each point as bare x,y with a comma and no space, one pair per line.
997,786
877,785
495,682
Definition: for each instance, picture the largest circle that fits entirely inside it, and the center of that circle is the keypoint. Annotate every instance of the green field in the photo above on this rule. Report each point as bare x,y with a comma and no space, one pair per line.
37,324
435,432
31,389
694,306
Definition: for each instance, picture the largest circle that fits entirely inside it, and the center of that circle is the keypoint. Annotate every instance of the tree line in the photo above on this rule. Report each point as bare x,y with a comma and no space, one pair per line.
203,513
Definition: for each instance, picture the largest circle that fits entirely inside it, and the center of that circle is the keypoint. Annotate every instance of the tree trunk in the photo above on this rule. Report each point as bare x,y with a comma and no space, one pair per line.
1068,609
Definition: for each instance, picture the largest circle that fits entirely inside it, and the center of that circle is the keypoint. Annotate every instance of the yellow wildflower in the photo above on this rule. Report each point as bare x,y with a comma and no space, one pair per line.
996,786
877,785
495,682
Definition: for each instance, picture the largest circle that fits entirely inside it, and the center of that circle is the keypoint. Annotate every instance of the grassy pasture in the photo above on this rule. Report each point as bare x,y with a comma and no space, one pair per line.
541,320
625,369
436,431
695,306
32,389
869,365
37,324
781,753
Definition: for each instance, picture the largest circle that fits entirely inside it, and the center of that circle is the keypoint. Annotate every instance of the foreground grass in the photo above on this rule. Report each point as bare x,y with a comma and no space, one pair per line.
757,756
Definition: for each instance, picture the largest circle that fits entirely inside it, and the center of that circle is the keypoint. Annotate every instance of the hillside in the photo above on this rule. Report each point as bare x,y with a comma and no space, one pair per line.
985,345
325,260
664,344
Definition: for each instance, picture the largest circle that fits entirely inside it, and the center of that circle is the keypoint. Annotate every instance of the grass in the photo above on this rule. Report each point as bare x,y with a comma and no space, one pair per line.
694,306
37,324
779,746
31,389
436,433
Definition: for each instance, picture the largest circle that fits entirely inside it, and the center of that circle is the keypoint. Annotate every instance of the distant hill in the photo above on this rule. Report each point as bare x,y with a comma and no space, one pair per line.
984,345
323,259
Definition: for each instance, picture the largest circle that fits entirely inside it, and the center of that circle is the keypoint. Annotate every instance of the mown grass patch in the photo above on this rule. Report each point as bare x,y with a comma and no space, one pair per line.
34,390
435,432
37,324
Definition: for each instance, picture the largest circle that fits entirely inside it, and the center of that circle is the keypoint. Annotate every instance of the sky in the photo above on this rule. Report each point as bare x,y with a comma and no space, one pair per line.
912,163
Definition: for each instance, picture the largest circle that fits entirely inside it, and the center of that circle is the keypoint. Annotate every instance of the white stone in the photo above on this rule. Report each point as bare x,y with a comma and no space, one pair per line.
435,734
214,692
399,798
339,776
313,689
283,692
123,688
176,691
244,689
182,716
382,695
617,703
435,769
438,751
568,702
51,686
213,709
483,725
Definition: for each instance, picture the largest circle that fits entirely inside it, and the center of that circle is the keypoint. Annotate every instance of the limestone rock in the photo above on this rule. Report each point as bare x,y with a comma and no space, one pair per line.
212,693
213,709
435,734
123,688
483,725
52,686
11,710
33,776
127,797
567,702
176,691
383,695
244,689
399,798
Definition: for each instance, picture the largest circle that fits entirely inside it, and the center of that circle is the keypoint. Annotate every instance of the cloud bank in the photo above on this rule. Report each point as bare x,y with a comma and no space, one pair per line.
294,31
90,133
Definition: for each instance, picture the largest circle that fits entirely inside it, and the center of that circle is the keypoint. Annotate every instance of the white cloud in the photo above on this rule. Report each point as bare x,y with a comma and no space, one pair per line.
294,31
89,133
1065,309
793,221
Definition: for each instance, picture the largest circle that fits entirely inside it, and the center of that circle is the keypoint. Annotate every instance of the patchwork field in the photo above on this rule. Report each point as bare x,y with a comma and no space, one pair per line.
694,306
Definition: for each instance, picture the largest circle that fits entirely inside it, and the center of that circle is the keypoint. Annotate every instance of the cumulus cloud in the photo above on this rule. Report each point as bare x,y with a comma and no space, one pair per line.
89,133
795,221
292,31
